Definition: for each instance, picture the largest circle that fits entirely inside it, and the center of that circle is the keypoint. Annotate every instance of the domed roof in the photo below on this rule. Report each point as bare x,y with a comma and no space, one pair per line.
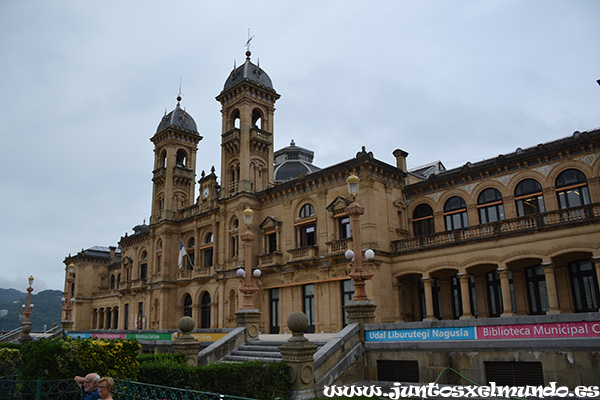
179,118
291,161
248,71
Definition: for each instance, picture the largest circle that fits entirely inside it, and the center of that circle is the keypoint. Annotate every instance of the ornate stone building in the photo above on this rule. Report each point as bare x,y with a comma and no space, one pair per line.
515,235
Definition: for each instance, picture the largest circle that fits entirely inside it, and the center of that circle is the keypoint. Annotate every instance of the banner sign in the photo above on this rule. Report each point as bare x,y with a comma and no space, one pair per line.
521,331
203,337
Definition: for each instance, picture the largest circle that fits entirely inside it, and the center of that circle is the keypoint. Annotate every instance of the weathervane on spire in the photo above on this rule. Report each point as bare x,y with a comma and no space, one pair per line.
248,41
179,94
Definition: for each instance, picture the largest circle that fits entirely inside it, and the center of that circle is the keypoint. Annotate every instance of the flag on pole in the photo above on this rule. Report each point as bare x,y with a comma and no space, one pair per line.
182,253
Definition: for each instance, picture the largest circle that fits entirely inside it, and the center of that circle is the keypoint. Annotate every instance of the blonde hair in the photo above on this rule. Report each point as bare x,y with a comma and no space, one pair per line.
110,383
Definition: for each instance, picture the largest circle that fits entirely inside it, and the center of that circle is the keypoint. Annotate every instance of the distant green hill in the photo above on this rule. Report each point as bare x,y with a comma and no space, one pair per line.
46,311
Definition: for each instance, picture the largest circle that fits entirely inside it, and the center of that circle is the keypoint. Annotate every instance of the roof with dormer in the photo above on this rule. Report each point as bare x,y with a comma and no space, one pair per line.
178,118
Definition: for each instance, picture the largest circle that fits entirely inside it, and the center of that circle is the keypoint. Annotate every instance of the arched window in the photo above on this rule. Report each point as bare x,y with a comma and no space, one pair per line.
181,158
307,229
205,317
112,282
490,207
455,213
529,198
163,159
307,210
572,189
187,306
422,220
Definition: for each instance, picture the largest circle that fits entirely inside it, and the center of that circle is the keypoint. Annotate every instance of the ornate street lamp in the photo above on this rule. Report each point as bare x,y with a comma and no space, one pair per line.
359,271
248,287
67,302
27,310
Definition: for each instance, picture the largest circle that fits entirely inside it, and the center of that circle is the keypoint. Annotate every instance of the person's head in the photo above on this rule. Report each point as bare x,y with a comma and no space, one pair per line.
91,382
106,386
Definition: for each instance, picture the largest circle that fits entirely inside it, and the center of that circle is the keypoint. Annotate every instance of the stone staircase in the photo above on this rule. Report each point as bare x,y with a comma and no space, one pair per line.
256,351
260,350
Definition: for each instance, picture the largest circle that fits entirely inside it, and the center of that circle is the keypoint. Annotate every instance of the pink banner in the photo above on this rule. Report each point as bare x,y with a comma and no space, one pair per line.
540,331
109,335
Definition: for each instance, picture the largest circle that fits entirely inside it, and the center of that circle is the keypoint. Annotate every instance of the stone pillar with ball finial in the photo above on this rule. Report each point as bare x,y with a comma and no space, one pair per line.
186,344
298,354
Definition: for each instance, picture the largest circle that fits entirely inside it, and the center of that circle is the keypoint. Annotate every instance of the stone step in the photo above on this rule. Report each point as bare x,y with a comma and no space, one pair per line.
234,358
264,348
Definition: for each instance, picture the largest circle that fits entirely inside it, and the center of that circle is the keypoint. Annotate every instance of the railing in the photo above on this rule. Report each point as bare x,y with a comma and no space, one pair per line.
257,133
66,389
182,172
8,336
495,230
304,253
266,260
230,135
339,246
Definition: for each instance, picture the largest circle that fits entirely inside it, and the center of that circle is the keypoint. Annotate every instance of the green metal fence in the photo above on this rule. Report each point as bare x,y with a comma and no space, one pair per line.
13,389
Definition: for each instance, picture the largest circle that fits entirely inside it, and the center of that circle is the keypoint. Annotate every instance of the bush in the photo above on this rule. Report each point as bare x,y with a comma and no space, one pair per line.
177,358
248,379
9,359
64,358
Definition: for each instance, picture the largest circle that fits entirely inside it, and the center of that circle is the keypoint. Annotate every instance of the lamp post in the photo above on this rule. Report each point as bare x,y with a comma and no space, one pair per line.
248,316
67,302
359,272
27,310
248,287
360,309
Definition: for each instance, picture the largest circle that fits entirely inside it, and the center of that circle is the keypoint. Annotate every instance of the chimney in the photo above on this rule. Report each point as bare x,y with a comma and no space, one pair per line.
400,159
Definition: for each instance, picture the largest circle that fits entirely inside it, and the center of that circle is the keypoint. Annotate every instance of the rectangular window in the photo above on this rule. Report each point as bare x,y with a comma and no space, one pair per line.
584,282
144,271
208,257
274,311
126,317
140,316
307,235
344,227
494,293
537,291
271,243
308,297
347,294
456,297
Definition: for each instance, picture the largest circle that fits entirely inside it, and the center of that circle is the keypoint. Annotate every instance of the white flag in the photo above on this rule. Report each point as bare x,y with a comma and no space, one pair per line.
182,253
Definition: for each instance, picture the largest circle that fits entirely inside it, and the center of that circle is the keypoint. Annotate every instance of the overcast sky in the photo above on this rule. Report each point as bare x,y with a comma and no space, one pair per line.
83,86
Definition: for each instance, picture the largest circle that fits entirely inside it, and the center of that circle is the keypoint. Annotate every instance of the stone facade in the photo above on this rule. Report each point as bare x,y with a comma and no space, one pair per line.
515,235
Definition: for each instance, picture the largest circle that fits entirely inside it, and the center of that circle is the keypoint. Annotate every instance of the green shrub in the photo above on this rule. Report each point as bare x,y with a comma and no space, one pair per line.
9,359
63,358
249,379
178,358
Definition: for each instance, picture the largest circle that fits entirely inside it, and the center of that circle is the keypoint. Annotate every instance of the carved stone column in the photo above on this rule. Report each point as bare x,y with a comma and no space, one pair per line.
553,307
298,356
361,312
248,319
465,295
429,315
186,344
505,289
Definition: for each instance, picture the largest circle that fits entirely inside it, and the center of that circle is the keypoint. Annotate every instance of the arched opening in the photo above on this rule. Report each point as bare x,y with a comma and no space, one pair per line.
205,314
187,306
163,159
181,158
257,118
235,119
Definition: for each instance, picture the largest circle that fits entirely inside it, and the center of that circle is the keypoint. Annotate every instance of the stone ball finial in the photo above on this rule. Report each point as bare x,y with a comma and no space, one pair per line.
298,323
186,324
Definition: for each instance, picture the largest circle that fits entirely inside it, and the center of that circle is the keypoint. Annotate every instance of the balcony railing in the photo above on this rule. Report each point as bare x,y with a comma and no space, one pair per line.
339,246
258,134
495,230
266,260
232,134
304,253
